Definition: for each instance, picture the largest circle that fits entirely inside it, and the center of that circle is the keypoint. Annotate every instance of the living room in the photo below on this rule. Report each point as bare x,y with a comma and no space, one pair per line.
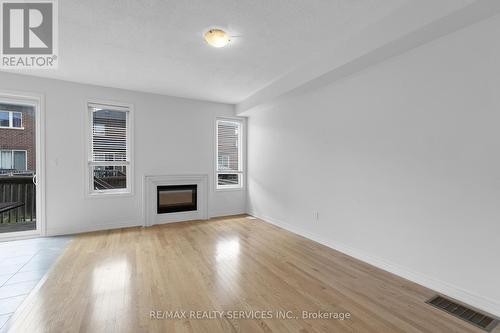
249,166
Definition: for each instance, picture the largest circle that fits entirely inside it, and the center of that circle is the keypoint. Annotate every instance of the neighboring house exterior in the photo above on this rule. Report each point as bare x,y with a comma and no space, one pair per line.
17,139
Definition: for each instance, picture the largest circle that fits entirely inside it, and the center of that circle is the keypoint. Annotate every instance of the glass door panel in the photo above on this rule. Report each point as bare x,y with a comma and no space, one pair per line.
17,167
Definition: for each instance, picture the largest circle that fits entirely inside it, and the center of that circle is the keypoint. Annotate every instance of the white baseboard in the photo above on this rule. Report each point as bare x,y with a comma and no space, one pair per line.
480,302
93,227
59,231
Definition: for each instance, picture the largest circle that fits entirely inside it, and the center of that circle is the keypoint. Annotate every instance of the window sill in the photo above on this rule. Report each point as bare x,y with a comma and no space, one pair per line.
12,128
97,195
230,189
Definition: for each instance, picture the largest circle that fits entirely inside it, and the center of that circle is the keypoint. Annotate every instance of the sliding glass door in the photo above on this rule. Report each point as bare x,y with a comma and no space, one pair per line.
18,166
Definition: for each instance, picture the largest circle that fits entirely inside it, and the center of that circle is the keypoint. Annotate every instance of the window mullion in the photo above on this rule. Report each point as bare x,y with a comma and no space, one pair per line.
109,163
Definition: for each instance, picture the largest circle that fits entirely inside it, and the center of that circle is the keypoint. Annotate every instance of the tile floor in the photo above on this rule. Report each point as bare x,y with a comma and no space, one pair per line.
23,263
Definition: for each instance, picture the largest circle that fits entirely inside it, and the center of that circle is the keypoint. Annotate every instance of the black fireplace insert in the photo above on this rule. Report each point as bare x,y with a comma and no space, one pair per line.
176,198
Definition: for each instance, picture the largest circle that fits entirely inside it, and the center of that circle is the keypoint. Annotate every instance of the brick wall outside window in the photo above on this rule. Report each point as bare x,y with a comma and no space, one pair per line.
21,139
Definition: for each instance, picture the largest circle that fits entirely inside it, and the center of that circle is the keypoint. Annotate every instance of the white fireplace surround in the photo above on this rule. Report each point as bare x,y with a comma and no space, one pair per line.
150,183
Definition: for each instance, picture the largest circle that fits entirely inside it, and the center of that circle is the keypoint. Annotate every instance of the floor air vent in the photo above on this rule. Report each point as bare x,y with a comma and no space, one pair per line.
471,316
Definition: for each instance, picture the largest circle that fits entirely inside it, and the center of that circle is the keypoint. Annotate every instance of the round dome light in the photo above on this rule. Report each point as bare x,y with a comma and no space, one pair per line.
217,38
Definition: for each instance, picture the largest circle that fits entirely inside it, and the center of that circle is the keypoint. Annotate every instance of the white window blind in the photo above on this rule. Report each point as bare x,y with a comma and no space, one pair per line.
229,154
109,160
109,135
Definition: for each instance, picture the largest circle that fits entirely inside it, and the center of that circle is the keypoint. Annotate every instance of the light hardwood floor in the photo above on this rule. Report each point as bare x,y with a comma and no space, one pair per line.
111,281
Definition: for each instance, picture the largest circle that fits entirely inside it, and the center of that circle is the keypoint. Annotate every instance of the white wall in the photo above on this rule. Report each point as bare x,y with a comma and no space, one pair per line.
402,162
172,136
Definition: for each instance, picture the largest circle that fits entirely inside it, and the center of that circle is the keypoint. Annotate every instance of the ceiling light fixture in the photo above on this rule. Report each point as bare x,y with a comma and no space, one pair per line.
217,38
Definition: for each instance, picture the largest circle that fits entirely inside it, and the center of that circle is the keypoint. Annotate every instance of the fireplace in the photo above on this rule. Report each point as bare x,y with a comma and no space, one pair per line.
153,185
176,198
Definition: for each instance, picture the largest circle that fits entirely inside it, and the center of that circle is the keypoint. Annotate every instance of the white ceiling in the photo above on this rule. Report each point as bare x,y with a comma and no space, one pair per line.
157,46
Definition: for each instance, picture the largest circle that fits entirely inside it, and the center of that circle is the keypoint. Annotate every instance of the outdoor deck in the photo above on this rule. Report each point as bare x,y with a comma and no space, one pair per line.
17,203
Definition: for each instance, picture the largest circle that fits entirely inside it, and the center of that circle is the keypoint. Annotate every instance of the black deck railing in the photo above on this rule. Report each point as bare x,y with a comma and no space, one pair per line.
20,191
109,179
14,172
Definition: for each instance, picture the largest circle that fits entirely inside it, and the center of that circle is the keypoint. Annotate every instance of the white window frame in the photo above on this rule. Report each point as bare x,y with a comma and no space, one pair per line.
12,156
241,154
89,163
11,119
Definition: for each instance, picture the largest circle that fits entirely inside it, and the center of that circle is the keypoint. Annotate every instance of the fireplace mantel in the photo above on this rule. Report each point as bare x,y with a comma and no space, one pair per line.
150,183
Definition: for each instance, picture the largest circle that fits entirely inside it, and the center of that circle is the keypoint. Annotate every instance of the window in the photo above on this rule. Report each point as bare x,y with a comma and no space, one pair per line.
109,154
4,119
11,119
13,160
229,166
